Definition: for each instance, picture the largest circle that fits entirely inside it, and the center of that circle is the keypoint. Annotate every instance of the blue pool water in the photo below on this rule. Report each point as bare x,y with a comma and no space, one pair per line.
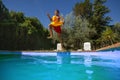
61,66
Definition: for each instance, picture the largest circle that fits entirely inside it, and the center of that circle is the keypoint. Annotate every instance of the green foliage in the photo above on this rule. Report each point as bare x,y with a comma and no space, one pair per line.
99,20
76,34
3,12
18,32
83,9
89,23
116,29
17,16
108,37
95,13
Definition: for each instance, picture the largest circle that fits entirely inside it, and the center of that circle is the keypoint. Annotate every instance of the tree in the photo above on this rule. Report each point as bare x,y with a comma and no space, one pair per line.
99,20
116,28
7,29
83,9
95,13
108,37
76,34
4,13
17,16
18,32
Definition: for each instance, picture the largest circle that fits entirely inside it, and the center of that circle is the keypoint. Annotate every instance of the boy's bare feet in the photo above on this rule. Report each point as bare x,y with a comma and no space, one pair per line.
50,37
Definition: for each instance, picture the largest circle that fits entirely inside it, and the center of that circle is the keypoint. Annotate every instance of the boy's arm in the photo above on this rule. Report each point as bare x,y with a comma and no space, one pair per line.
49,17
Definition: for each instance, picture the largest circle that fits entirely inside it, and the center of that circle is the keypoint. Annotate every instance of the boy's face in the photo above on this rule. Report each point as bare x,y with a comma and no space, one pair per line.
56,13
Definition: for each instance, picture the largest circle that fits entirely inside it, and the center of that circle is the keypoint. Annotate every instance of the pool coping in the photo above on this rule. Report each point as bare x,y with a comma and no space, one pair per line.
109,47
38,53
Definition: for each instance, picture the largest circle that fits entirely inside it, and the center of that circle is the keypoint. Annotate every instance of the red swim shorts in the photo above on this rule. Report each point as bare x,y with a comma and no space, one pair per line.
57,29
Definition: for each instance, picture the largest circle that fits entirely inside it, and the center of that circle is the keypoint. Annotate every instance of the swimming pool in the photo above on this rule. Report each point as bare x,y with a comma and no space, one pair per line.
61,66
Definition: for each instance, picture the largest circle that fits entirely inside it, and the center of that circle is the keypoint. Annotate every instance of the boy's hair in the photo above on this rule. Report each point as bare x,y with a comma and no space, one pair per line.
57,11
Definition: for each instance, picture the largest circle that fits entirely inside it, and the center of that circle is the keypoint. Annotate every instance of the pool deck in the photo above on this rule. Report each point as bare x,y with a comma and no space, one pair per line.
54,52
108,47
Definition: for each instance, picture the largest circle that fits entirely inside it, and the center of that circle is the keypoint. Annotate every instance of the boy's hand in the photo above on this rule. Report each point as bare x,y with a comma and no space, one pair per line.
49,16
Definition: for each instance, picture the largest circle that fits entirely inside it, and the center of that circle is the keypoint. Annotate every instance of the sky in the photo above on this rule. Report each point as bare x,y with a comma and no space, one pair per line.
39,8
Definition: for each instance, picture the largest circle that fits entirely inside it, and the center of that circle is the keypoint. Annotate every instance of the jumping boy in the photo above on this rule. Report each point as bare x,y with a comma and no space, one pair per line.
56,23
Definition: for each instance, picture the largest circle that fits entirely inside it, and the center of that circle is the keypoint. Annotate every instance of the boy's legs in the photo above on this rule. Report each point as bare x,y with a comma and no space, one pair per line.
58,30
51,32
